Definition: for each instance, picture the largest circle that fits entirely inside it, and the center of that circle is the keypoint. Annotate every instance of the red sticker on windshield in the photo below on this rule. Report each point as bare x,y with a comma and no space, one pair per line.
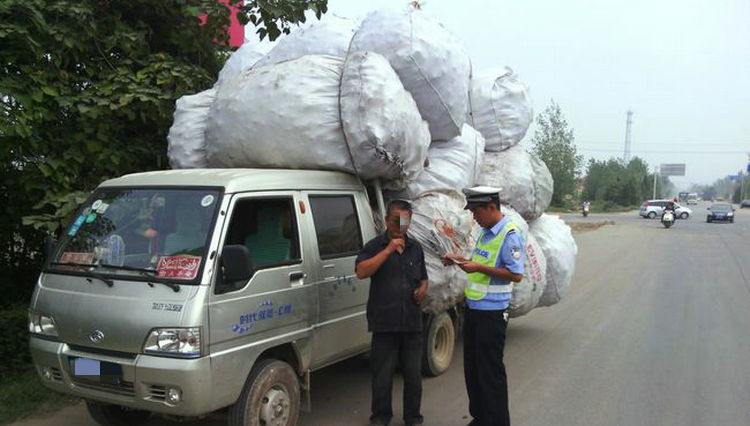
76,257
179,267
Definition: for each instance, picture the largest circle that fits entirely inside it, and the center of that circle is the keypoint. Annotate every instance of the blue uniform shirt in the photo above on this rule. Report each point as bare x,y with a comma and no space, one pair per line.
513,243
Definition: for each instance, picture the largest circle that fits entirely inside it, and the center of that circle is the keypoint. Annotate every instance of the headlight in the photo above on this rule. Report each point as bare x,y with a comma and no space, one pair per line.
730,214
42,324
179,342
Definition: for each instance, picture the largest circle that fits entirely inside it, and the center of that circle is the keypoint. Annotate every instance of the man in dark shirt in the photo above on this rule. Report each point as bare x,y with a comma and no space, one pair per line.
395,264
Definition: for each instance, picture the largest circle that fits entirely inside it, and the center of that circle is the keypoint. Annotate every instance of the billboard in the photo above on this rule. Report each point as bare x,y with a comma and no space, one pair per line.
672,169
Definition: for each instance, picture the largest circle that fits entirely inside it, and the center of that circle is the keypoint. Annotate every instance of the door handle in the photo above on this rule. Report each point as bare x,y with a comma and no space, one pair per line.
294,276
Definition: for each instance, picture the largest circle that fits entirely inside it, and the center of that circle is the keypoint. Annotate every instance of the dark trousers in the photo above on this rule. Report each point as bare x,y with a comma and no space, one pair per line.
484,371
387,350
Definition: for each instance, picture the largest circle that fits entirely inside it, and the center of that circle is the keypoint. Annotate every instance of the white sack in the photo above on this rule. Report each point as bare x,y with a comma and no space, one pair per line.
524,178
186,139
433,64
528,291
453,164
386,135
441,225
244,58
329,36
500,108
287,115
560,250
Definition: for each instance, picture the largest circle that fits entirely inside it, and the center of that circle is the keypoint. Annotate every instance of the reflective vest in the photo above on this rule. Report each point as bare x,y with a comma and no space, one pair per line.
486,253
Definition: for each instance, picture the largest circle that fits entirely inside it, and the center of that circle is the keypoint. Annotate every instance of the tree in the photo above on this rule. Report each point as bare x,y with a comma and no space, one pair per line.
87,91
554,143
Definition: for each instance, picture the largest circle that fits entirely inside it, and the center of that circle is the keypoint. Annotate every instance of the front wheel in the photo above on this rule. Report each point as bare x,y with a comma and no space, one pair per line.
115,415
667,224
651,215
439,342
270,396
684,215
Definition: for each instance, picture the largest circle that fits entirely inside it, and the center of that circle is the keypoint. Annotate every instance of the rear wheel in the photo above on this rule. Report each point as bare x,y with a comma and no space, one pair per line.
440,340
115,415
651,215
708,219
684,215
270,396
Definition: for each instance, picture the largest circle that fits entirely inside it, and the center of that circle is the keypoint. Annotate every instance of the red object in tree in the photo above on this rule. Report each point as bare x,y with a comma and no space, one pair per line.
236,30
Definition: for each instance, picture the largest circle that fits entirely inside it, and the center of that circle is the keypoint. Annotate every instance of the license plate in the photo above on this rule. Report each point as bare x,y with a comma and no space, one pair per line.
96,371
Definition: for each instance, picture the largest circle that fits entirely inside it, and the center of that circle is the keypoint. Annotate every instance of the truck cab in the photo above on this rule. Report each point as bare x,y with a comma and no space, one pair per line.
186,291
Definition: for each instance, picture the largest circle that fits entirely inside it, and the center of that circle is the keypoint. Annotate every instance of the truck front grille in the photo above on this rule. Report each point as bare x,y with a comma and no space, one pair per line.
122,388
158,393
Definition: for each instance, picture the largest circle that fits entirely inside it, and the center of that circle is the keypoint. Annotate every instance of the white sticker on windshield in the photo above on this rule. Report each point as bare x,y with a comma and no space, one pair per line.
96,204
207,200
102,208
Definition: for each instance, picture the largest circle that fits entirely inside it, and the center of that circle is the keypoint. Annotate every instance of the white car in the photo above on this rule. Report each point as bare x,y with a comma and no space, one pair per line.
654,208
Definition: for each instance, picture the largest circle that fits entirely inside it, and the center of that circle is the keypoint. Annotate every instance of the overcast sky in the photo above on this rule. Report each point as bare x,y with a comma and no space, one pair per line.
683,67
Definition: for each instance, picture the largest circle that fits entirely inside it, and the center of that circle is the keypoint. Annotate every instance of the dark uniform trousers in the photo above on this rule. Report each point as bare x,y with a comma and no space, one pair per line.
484,371
388,349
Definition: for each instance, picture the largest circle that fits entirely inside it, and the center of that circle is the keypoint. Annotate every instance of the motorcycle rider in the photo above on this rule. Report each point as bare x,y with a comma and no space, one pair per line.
669,207
586,207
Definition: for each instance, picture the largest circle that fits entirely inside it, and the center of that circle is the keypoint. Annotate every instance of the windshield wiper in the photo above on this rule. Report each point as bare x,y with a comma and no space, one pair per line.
88,265
107,281
146,272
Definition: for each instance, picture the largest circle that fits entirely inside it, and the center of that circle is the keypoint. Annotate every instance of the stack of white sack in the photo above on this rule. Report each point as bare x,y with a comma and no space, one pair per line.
441,225
500,108
525,180
319,112
186,138
560,250
433,65
330,35
528,291
452,165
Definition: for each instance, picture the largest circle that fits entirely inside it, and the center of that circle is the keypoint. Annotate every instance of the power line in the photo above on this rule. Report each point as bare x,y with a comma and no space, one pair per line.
663,152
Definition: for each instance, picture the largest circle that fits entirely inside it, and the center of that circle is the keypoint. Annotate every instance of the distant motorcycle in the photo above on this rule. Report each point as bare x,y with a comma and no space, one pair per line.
667,219
585,210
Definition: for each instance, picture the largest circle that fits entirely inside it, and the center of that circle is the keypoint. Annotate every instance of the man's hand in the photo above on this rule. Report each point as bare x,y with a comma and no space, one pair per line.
397,245
420,292
469,266
150,233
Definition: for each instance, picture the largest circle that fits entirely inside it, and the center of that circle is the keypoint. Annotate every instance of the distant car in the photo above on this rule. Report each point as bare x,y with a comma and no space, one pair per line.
653,208
745,203
720,212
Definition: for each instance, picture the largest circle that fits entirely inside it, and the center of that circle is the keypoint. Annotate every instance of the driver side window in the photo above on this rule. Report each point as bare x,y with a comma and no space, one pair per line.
268,228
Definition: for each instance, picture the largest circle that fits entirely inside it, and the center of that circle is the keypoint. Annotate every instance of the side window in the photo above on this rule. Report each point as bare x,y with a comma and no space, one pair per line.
336,225
268,228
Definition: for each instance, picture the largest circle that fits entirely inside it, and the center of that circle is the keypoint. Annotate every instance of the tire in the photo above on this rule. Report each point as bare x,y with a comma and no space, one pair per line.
651,215
708,220
667,224
684,215
270,396
115,415
731,220
439,343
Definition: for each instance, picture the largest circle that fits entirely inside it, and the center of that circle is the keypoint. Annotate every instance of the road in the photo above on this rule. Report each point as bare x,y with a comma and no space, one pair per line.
654,331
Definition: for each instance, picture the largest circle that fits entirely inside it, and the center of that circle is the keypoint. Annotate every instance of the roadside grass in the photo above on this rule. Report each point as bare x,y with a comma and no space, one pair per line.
23,395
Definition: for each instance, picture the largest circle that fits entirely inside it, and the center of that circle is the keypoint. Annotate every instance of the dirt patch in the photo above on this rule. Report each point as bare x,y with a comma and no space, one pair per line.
579,227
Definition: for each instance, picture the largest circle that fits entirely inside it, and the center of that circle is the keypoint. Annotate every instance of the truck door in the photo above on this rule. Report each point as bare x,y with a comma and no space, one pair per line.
341,328
277,301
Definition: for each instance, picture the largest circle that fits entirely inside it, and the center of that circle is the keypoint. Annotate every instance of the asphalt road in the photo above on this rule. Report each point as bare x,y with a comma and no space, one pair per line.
654,331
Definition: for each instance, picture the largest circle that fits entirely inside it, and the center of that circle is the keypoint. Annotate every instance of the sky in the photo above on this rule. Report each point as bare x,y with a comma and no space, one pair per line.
682,67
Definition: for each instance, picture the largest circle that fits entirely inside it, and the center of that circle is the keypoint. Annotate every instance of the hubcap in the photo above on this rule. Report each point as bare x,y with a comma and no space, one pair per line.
275,409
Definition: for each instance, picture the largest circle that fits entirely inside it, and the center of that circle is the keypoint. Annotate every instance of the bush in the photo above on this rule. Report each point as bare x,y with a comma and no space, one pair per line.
14,341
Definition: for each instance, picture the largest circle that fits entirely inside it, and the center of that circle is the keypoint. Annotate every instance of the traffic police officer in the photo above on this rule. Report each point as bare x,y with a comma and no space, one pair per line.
496,263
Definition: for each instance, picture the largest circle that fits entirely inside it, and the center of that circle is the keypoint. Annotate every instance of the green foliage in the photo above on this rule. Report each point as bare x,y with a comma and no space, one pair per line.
23,394
554,143
619,184
274,17
14,340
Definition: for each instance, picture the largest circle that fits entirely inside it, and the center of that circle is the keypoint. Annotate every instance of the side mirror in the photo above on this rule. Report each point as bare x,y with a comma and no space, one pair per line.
237,264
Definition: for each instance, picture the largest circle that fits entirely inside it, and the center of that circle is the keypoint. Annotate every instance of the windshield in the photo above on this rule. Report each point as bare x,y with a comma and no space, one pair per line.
153,233
721,207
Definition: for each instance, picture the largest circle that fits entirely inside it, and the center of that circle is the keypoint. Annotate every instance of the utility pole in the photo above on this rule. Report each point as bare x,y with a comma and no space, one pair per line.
628,125
656,172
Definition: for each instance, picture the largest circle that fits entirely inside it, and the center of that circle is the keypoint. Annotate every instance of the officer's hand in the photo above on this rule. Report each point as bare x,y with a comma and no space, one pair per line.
150,233
451,258
469,266
397,245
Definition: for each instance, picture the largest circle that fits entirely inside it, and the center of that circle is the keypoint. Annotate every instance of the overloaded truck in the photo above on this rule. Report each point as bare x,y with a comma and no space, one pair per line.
183,292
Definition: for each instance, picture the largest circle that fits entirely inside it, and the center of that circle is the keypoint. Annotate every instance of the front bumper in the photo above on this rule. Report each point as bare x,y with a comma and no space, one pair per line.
144,384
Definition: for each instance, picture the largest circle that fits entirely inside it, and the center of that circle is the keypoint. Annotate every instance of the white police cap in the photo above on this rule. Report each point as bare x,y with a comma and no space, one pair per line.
481,195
